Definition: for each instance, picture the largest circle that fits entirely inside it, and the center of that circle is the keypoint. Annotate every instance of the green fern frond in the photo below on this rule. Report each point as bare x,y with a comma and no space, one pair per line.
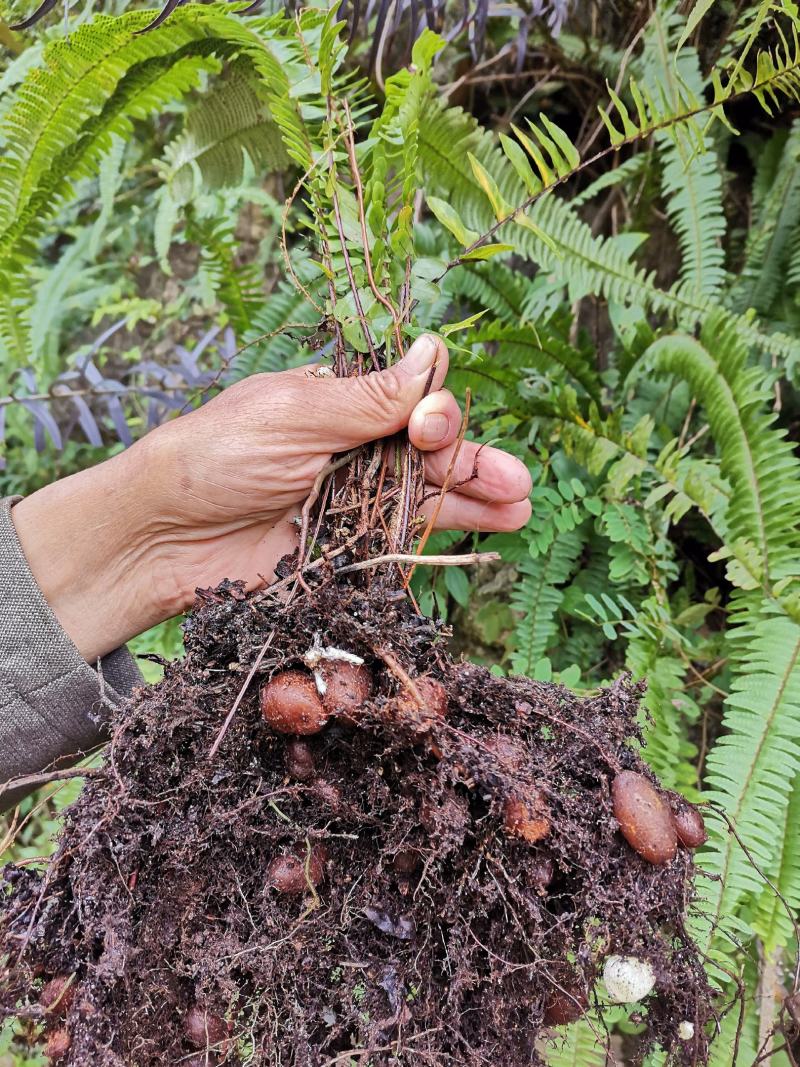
537,597
692,188
490,285
755,458
237,287
584,1044
777,215
539,348
751,764
691,180
771,922
555,237
227,125
285,309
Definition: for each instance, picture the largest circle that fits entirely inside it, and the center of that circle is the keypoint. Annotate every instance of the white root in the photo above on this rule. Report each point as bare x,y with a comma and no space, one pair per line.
317,654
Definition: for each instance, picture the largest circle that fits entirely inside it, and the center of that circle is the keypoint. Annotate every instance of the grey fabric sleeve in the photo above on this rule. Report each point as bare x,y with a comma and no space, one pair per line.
52,702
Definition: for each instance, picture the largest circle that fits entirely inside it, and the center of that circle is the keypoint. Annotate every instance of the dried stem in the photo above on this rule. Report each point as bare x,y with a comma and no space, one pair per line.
240,695
466,559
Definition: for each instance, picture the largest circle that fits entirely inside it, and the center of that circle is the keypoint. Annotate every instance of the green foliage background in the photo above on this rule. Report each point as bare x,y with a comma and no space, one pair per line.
614,257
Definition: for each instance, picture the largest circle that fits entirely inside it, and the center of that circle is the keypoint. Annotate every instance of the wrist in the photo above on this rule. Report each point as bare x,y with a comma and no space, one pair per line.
87,544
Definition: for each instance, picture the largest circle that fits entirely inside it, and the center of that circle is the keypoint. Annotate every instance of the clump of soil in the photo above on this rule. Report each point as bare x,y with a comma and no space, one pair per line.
401,887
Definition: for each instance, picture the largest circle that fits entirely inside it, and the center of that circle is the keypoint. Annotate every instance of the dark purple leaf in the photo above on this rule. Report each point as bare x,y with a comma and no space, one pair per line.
522,43
188,366
119,420
43,9
165,12
43,421
229,343
87,421
204,342
101,340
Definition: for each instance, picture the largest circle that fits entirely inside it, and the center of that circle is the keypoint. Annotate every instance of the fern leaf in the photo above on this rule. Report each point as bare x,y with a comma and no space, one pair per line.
559,241
769,239
771,923
542,349
755,457
272,339
751,764
584,1044
537,598
227,125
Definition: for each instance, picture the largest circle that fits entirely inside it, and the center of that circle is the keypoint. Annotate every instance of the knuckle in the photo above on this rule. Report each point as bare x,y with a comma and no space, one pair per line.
382,391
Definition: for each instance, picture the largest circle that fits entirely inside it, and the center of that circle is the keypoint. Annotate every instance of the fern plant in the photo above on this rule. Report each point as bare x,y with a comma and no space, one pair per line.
664,539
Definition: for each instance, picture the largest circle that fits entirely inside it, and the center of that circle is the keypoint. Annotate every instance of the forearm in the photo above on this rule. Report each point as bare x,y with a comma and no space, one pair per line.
52,703
87,546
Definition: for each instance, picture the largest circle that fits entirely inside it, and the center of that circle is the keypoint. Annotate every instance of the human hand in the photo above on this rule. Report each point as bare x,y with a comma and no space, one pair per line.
214,494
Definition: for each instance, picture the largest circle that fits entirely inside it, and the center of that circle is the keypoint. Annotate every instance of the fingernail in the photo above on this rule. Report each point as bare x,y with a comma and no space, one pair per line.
434,428
419,358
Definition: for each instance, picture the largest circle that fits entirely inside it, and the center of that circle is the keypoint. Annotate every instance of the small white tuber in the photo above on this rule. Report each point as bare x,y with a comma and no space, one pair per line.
686,1030
628,979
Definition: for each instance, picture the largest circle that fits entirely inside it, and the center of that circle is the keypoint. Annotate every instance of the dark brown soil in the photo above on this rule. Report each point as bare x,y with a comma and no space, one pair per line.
426,930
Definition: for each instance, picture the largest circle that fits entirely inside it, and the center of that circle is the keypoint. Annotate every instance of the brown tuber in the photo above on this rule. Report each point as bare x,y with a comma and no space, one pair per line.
406,861
567,1001
433,697
57,995
58,1045
644,817
204,1029
295,873
300,761
689,825
291,704
348,686
511,754
527,818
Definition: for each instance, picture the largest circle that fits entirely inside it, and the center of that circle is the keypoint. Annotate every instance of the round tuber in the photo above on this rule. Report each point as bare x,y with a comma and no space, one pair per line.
296,874
291,704
527,818
689,825
421,716
203,1028
57,995
300,760
567,1001
58,1045
644,817
508,752
348,686
406,861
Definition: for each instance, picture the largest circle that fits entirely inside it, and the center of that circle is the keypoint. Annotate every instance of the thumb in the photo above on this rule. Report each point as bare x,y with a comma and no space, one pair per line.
357,410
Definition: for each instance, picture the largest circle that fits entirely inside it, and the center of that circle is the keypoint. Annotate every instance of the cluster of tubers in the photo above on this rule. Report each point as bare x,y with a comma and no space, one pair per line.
653,824
301,704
